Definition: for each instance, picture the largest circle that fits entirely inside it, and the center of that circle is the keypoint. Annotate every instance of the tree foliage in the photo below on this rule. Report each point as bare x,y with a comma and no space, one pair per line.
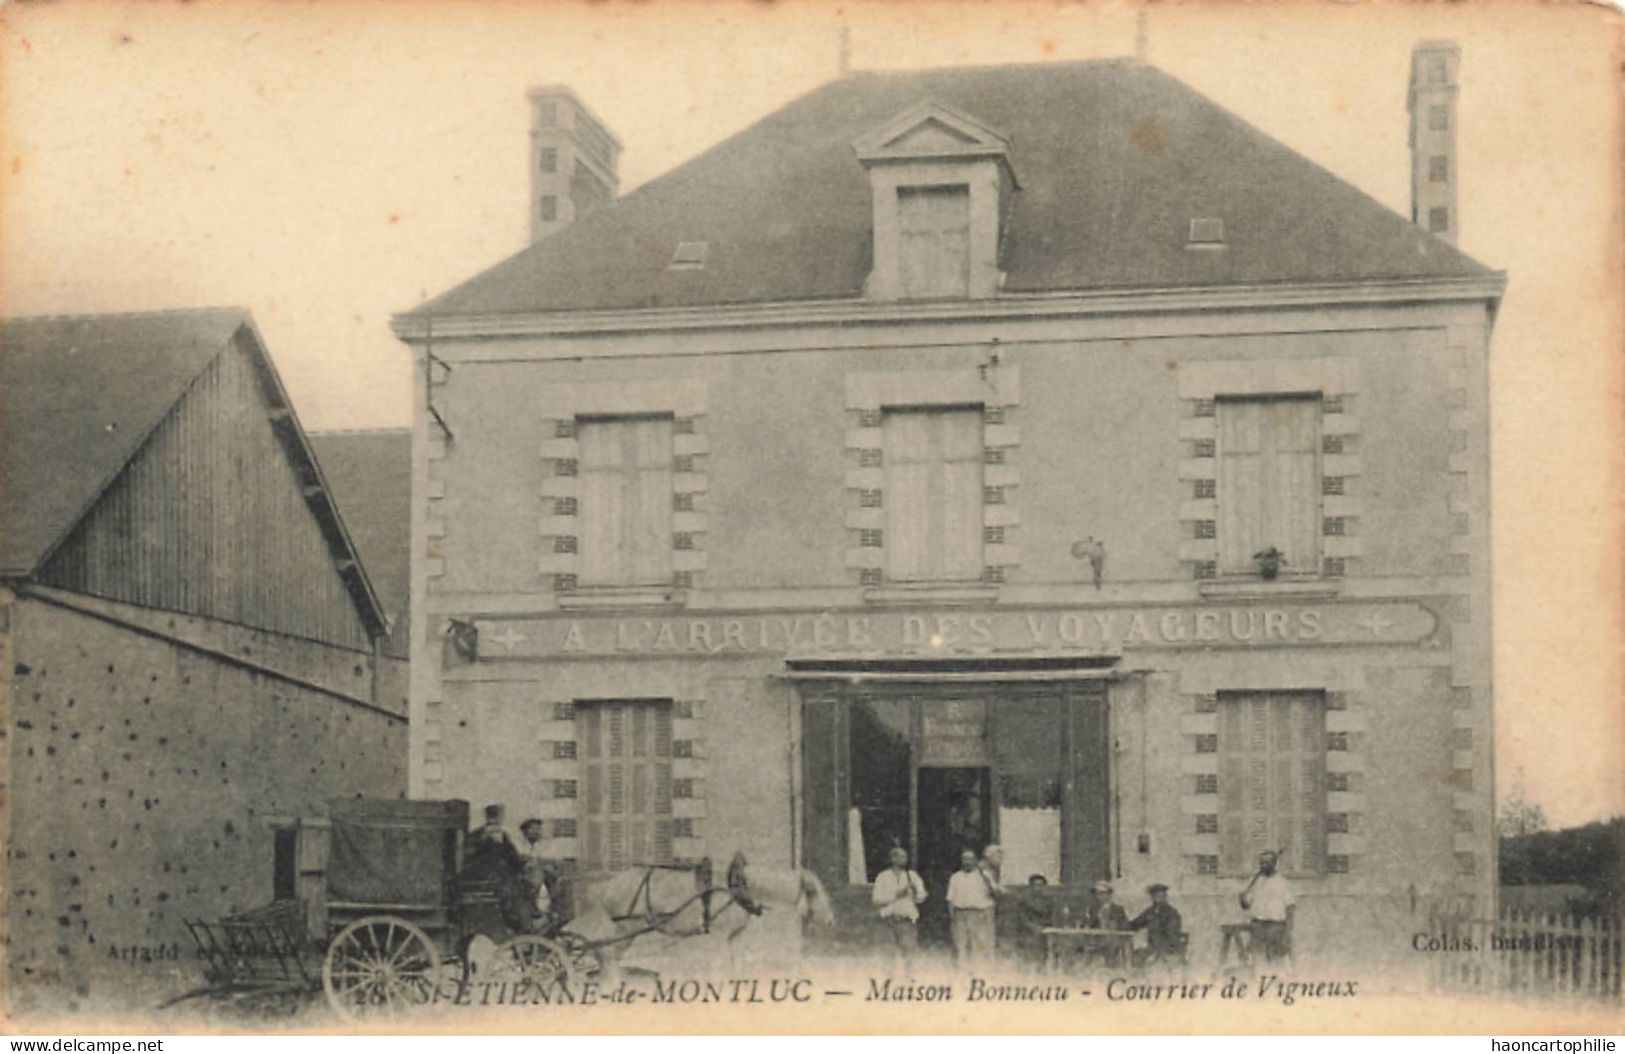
1592,856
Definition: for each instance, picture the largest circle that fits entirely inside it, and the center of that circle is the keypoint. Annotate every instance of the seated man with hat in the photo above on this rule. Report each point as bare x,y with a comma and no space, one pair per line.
1165,935
1105,914
492,865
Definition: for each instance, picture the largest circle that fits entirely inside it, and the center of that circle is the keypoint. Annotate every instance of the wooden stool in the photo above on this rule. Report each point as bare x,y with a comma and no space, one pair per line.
1239,934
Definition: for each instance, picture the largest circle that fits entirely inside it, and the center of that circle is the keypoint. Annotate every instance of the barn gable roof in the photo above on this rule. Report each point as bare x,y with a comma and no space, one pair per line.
81,394
370,471
1116,159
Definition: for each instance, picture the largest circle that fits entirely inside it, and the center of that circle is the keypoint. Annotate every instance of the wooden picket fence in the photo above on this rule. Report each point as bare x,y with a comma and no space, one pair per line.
1533,953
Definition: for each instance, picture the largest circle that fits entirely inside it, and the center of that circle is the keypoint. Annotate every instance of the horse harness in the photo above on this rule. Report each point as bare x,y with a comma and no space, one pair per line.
737,893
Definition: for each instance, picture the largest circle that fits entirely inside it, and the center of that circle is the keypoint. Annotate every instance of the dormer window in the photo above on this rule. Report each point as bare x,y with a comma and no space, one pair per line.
941,185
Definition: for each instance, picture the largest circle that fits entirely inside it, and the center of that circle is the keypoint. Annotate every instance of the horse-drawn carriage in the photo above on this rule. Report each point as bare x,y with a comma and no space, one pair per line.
385,921
386,917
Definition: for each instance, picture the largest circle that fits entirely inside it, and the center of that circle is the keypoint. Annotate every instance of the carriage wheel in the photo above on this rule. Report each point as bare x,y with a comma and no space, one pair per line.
537,961
380,965
582,955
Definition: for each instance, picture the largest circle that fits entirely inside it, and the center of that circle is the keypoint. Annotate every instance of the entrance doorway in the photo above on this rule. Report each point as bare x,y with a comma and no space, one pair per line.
954,813
937,767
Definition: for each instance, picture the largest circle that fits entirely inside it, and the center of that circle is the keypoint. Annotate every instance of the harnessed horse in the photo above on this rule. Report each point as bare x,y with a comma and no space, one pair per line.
656,915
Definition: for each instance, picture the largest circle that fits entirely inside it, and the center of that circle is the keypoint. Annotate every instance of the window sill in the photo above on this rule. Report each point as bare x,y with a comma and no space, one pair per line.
593,598
932,594
1282,588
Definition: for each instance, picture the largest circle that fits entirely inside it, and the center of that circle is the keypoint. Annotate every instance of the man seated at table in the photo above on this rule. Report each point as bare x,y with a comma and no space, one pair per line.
1105,914
1035,912
1165,935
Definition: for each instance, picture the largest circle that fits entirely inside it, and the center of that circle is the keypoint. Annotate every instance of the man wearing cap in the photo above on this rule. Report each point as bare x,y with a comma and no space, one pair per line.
1165,936
491,859
489,850
1270,905
1105,913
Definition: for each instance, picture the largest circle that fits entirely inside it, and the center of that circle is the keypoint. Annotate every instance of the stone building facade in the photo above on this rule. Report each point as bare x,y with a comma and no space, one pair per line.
1033,455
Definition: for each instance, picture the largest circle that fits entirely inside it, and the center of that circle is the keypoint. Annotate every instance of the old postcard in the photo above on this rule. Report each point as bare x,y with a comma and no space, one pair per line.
875,517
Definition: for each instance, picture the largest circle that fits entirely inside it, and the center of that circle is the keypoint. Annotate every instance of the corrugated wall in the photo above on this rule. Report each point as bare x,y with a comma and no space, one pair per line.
210,518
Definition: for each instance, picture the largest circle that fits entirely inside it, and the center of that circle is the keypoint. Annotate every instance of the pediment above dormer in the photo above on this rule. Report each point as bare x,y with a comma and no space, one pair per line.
928,131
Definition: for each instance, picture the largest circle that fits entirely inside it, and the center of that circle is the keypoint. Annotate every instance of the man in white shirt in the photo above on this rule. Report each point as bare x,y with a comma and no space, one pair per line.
898,892
1270,905
971,895
537,866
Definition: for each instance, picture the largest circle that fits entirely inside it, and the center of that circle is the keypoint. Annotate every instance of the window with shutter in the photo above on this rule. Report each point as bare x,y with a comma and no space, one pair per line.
1269,482
1029,760
626,501
934,228
933,459
824,812
624,813
879,737
1272,780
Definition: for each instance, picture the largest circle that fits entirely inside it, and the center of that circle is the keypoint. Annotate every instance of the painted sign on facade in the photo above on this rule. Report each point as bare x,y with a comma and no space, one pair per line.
961,633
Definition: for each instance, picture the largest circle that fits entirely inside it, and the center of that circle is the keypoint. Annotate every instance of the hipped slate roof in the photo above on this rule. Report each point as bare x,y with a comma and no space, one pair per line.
1116,158
80,394
371,475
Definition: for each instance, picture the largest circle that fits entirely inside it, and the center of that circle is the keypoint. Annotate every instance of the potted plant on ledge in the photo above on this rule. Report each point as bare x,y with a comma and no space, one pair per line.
1269,562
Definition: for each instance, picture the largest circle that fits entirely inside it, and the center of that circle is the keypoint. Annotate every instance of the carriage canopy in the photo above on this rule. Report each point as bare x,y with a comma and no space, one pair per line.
391,852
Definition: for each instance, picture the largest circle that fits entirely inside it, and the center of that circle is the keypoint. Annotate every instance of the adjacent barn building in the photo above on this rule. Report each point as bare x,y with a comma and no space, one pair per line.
193,656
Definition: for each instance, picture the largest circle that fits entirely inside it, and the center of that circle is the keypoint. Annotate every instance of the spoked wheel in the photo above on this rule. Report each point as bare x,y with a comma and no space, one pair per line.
541,963
380,966
582,956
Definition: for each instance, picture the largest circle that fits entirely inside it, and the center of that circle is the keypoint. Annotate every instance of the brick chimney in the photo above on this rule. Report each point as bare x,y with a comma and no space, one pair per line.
574,161
1435,65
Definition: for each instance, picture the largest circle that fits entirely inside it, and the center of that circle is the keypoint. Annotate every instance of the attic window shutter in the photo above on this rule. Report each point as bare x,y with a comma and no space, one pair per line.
934,253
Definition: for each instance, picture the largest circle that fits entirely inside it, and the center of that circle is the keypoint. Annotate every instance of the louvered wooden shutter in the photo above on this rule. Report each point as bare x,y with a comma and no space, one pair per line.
591,803
625,804
661,851
1272,763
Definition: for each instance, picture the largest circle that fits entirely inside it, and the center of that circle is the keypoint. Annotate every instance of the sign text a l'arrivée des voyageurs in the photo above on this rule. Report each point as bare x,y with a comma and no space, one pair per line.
957,632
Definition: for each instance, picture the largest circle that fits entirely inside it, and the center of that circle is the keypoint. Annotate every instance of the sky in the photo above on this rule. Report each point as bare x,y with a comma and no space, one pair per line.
328,165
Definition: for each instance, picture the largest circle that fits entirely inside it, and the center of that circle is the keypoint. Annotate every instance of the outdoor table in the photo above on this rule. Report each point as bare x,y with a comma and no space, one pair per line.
1113,945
